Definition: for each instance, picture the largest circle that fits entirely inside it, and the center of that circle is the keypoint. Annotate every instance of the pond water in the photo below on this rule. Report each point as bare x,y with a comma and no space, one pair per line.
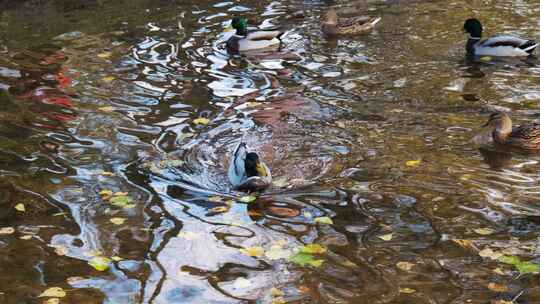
120,118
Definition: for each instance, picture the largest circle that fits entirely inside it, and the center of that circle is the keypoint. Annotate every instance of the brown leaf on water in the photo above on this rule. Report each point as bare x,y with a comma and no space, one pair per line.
464,243
497,287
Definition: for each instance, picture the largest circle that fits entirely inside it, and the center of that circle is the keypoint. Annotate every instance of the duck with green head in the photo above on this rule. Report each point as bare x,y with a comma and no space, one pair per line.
245,40
524,137
247,172
500,45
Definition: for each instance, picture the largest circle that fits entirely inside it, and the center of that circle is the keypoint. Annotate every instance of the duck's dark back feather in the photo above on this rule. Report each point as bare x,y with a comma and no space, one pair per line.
526,137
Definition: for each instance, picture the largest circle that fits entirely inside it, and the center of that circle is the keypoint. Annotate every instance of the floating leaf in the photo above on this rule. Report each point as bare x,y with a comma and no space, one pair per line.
105,192
528,267
304,259
121,201
512,260
248,199
201,121
241,283
53,292
386,237
117,220
324,220
465,177
215,199
485,58
498,271
405,266
256,251
484,231
313,249
407,290
20,207
497,287
100,263
489,253
274,292
413,163
25,237
220,209
6,230
108,78
107,109
120,193
463,243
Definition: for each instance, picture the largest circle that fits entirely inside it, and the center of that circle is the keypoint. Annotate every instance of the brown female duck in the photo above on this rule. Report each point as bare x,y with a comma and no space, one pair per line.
525,137
333,26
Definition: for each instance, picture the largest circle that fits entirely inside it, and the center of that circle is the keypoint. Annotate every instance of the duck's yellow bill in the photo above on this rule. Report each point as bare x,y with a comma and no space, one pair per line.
260,169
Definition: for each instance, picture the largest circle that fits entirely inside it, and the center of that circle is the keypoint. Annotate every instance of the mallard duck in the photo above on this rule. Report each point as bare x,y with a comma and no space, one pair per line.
247,172
525,137
248,40
333,26
501,45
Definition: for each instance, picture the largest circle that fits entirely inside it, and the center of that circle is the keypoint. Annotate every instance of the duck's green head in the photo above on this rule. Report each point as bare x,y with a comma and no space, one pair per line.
240,25
473,27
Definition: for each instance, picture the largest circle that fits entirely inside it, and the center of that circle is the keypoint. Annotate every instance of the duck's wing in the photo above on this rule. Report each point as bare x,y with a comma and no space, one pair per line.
263,35
527,136
237,171
505,45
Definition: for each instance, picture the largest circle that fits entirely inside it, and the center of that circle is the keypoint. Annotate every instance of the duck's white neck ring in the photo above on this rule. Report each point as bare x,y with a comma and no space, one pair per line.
474,38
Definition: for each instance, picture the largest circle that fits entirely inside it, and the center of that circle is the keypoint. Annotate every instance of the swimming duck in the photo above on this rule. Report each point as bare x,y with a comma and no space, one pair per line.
501,45
333,26
246,40
247,172
525,137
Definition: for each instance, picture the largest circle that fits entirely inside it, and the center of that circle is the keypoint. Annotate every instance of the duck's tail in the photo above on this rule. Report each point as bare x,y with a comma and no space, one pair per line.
529,46
375,21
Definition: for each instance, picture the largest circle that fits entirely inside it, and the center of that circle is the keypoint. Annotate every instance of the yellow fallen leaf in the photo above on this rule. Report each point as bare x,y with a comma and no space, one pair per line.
489,253
99,263
407,290
412,163
465,177
20,207
201,121
107,109
219,209
497,287
53,292
405,266
104,55
485,58
108,78
484,231
324,220
25,237
276,292
215,199
498,271
52,301
120,194
117,220
105,192
253,251
6,230
386,237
